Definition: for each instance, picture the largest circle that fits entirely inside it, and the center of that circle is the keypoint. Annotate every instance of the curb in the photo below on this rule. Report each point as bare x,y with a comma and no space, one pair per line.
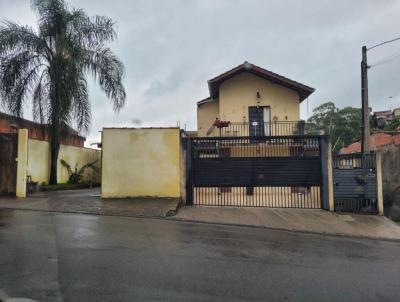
285,230
165,217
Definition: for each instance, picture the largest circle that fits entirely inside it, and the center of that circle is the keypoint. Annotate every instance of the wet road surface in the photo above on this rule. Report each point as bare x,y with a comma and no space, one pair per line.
74,257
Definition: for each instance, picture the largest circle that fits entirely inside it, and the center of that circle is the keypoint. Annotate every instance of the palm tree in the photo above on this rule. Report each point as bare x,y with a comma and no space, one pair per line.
50,67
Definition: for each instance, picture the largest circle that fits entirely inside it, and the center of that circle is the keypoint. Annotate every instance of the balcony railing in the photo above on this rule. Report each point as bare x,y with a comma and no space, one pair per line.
266,129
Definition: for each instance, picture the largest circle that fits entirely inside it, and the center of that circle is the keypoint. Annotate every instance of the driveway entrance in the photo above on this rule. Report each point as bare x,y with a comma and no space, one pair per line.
278,171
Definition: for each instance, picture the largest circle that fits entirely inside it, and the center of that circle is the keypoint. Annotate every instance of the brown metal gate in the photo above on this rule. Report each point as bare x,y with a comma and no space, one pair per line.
8,163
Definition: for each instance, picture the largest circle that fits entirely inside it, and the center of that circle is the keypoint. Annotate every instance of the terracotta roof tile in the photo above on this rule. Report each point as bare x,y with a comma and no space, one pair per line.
376,140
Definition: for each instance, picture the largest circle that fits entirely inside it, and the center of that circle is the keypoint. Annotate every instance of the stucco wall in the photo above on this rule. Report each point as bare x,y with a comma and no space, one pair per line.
238,93
78,156
206,114
140,162
391,180
39,161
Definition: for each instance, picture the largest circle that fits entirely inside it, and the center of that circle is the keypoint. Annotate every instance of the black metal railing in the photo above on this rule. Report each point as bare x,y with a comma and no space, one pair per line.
277,146
283,128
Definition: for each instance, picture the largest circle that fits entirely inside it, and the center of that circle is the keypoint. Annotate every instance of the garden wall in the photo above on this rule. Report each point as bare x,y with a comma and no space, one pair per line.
39,161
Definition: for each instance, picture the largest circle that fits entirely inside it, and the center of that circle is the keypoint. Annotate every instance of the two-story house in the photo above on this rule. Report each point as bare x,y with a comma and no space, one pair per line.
251,148
251,101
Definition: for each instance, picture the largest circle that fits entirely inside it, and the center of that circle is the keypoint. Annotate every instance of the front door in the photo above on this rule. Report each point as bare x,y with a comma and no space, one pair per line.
259,118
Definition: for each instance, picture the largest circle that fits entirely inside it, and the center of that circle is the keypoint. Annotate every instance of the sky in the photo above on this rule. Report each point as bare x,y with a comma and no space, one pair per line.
170,48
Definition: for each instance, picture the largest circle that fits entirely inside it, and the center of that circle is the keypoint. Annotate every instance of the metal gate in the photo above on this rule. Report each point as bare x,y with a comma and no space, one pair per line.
355,188
8,164
278,171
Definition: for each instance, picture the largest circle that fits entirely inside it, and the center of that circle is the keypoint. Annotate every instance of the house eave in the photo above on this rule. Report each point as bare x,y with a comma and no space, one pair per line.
213,84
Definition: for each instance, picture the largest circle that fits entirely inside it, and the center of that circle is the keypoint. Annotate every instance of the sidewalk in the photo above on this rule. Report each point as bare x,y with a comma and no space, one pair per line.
301,220
88,201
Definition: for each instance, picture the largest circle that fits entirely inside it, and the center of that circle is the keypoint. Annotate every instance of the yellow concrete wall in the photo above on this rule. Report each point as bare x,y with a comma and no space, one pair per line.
22,162
39,161
238,93
140,162
78,156
206,114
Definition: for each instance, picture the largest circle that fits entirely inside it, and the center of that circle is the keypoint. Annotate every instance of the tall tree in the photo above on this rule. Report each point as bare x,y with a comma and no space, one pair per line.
51,65
343,125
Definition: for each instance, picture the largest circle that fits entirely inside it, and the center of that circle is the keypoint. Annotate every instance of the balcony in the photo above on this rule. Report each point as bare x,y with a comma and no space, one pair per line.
285,128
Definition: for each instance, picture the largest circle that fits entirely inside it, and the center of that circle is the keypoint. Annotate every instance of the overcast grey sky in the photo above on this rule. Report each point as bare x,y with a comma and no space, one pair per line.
170,49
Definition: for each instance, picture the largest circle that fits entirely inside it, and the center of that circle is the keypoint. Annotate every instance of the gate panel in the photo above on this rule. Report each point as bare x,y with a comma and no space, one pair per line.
8,164
251,171
355,187
274,171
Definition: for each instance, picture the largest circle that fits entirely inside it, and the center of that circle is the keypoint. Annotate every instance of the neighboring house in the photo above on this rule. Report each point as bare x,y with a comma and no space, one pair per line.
376,140
250,100
383,117
396,112
11,124
389,148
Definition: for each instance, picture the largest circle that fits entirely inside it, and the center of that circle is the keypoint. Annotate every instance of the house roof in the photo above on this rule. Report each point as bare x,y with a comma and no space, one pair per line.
386,113
24,123
203,101
376,141
214,84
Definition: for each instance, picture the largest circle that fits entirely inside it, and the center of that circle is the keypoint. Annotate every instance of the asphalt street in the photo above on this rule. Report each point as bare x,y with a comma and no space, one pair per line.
75,257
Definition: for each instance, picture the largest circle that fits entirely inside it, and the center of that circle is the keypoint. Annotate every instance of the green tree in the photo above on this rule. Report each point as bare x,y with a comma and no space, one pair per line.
342,125
51,65
393,125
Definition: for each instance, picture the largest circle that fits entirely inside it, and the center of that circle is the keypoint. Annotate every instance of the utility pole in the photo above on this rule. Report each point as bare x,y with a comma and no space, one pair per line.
365,131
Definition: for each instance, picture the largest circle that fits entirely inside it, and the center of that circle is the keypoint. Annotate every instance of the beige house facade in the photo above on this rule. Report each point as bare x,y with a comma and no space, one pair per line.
251,99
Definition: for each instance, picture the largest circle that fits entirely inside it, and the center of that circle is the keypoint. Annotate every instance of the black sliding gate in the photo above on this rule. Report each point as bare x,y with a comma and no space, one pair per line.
278,171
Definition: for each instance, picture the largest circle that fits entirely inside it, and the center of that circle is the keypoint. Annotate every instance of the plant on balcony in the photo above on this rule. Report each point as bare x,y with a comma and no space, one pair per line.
221,124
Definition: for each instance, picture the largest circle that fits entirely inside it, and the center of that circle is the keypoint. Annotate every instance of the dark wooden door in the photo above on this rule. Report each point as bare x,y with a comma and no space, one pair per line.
8,163
256,121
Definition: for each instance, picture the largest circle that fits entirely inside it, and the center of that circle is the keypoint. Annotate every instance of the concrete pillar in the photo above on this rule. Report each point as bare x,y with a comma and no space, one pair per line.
327,176
330,179
22,164
379,187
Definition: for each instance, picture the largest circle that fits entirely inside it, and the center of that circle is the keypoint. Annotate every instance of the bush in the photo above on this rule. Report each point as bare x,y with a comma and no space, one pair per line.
76,176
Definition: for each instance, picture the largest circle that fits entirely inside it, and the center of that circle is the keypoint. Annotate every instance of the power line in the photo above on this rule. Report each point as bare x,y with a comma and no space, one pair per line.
372,47
391,58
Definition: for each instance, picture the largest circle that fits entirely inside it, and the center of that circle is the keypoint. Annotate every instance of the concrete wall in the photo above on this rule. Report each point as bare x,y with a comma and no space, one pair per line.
78,156
391,180
22,158
238,93
141,162
39,161
206,114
